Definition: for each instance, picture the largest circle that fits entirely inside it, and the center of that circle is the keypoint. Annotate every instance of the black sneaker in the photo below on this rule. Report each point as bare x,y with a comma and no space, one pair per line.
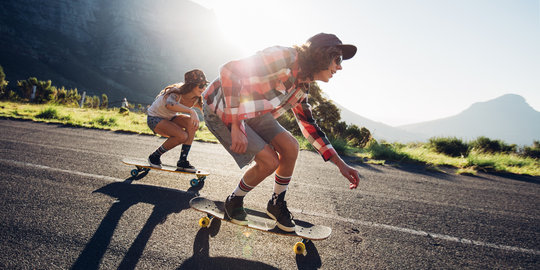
234,210
184,166
155,161
280,213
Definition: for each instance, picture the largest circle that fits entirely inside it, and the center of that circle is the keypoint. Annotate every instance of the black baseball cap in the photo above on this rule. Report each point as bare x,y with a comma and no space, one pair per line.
327,40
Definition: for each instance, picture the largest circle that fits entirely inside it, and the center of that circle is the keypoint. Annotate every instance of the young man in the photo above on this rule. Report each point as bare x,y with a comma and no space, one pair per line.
242,104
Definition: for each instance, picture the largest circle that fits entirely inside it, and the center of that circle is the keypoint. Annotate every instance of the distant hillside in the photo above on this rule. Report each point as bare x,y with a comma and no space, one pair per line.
121,48
508,118
379,130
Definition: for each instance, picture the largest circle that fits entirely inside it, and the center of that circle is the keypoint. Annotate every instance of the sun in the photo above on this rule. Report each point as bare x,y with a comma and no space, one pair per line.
254,25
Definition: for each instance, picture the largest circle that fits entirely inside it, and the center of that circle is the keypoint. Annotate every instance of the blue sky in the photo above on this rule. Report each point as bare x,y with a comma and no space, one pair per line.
417,60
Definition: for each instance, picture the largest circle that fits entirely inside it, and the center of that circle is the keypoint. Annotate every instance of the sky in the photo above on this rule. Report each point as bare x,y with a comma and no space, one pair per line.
417,60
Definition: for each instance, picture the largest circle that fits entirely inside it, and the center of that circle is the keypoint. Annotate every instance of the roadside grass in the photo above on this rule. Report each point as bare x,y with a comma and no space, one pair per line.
374,153
109,119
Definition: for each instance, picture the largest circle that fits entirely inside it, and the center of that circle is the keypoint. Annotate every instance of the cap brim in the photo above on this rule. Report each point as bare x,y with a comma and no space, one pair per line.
347,50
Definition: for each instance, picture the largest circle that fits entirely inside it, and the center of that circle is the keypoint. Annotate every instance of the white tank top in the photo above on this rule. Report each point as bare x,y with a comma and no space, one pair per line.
158,109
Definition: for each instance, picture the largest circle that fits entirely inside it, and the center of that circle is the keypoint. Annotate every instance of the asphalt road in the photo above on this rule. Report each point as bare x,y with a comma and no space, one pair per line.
67,201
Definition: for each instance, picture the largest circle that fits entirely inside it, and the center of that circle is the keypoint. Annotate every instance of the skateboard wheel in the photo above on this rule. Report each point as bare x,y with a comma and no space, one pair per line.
194,182
204,222
134,172
299,248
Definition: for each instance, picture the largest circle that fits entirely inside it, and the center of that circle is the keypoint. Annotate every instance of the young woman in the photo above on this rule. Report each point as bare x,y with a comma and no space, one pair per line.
241,106
172,115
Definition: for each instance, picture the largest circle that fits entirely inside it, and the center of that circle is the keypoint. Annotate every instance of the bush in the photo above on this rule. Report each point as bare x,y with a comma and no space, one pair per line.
385,151
532,152
45,92
358,137
340,145
49,113
453,146
103,121
124,111
486,145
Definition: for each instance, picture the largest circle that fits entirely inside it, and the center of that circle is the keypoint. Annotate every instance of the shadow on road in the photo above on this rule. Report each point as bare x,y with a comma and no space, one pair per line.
201,258
165,201
312,260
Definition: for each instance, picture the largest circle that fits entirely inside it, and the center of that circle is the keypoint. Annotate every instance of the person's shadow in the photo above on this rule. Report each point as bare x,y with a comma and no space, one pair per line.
165,201
201,256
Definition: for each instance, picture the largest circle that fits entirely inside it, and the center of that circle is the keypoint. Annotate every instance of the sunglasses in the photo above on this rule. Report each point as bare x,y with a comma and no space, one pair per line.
338,60
203,85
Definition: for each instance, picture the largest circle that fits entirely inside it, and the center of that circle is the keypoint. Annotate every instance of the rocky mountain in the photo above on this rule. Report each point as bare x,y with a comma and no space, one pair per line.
508,118
121,48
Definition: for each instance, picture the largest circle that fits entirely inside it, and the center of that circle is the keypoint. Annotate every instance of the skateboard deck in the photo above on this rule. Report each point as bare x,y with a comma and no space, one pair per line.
142,165
262,222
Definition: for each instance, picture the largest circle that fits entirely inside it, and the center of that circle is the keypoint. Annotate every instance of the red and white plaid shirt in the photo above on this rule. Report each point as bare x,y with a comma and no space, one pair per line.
266,83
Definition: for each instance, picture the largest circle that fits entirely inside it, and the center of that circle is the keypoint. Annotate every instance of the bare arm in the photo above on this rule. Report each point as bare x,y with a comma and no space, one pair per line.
172,104
347,171
175,106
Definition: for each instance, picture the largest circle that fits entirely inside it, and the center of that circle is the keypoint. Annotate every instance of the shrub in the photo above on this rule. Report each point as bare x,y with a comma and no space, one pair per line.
340,145
104,101
486,145
49,113
358,137
532,151
103,121
453,146
45,92
124,111
385,151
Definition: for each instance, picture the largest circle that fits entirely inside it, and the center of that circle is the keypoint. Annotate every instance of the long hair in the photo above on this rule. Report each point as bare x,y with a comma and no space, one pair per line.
181,89
312,61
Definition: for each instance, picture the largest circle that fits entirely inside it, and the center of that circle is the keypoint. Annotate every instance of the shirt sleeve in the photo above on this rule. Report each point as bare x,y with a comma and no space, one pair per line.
311,131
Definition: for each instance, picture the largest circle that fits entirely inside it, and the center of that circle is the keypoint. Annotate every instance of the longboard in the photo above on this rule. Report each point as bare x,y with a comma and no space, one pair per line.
262,222
142,165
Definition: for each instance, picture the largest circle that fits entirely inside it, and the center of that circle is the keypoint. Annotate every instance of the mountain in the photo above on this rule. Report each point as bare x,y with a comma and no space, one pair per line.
508,118
378,130
122,48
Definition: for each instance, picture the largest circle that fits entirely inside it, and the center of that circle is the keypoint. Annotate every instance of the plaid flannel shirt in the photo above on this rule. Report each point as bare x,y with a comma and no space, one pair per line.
266,83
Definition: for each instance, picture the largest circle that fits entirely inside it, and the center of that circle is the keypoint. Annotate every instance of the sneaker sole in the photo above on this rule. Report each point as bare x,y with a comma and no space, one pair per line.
235,221
158,166
239,222
282,227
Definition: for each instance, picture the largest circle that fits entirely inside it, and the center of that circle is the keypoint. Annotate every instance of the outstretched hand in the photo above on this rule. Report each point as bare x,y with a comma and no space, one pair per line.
348,172
352,175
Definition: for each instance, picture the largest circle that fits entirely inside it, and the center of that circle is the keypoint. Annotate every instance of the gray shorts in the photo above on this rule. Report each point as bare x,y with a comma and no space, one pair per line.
260,131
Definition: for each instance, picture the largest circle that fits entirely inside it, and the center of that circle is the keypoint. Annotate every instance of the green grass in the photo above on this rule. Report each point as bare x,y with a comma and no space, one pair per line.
374,152
109,119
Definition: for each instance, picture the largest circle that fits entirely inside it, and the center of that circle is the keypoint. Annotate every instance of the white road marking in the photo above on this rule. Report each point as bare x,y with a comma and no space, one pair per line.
350,220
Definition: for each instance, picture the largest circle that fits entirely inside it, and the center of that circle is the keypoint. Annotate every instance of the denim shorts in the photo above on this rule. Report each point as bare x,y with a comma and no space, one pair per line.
152,122
260,131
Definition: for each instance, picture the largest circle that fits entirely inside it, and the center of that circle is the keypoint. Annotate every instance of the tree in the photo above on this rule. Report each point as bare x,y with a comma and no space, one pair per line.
4,93
358,137
45,92
3,82
104,101
327,115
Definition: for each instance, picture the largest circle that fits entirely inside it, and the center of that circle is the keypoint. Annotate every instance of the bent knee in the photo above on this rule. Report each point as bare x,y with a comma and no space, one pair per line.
267,160
290,149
